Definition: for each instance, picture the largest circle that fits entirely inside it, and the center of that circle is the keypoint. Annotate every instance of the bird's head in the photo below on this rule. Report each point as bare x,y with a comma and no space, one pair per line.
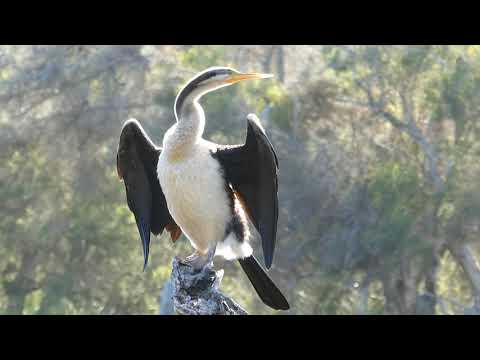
216,77
212,79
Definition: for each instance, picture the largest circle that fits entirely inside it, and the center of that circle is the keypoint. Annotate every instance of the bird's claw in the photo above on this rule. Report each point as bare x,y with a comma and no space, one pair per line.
198,261
195,261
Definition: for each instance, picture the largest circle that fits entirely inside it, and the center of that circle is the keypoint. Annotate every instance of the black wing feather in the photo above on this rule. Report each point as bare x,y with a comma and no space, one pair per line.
137,159
252,169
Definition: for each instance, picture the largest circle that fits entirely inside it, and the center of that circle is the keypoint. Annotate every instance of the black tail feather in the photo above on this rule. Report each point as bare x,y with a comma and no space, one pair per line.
264,286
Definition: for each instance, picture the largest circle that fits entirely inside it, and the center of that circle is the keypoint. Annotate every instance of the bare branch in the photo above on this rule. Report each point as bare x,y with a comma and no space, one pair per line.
410,128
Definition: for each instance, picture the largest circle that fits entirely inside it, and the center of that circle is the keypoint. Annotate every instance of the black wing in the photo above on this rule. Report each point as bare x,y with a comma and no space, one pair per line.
251,169
137,159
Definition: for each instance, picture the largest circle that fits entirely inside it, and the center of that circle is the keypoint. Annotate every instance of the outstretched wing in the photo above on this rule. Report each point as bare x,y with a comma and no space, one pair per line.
251,170
137,159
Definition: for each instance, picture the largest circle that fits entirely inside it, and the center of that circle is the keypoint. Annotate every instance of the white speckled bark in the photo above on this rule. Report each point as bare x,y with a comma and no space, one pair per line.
197,293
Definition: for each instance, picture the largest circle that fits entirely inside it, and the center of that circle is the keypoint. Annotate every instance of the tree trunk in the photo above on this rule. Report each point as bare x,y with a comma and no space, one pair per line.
267,62
280,63
465,257
400,289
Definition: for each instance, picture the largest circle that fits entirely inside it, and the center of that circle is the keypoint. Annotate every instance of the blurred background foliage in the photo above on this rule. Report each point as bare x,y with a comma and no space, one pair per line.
379,174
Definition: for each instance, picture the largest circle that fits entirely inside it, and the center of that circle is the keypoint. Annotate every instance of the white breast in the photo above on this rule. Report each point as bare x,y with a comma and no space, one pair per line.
195,192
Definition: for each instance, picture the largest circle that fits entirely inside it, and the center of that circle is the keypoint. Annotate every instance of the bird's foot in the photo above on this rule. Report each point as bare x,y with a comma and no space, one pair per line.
198,261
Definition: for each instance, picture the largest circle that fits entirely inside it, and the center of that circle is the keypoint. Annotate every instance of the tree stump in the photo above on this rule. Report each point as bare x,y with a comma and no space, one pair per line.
197,293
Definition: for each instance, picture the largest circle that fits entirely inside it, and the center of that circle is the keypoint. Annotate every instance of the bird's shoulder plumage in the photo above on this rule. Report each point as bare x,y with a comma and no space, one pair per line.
252,171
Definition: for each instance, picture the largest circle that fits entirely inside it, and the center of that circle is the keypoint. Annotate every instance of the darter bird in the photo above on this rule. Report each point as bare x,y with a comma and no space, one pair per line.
205,190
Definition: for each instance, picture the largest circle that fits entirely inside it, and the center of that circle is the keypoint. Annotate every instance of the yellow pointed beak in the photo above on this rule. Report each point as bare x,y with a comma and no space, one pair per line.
248,76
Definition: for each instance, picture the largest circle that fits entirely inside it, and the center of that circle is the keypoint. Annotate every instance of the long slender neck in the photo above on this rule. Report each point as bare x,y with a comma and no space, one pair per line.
190,121
181,137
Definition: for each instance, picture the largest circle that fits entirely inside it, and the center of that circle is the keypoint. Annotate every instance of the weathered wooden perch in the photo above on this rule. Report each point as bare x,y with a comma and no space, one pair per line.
197,293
